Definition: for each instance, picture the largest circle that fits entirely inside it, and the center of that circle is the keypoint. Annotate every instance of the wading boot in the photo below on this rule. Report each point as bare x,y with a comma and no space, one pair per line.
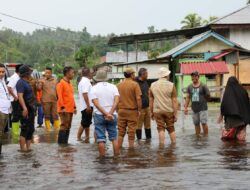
67,136
138,134
15,128
47,125
148,134
62,137
57,124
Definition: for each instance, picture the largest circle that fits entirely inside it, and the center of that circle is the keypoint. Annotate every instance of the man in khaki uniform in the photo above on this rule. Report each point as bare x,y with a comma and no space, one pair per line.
164,105
129,107
49,98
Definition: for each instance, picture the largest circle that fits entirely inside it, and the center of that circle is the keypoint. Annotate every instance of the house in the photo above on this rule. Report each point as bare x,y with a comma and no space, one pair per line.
214,56
234,26
113,62
152,65
225,41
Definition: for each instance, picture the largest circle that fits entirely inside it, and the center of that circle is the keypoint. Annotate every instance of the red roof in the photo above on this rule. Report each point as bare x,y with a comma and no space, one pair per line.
204,68
221,55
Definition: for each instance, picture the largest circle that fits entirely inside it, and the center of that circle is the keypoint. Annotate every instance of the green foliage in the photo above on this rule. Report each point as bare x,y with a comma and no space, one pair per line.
54,48
194,20
210,19
83,55
248,2
191,21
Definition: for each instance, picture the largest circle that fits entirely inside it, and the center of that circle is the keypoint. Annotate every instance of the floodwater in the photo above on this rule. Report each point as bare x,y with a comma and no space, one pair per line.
193,163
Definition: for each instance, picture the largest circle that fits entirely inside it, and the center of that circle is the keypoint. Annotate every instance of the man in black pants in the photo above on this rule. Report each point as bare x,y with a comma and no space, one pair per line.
28,104
86,106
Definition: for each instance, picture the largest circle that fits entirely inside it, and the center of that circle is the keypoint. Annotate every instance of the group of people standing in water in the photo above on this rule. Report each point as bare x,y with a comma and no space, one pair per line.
128,106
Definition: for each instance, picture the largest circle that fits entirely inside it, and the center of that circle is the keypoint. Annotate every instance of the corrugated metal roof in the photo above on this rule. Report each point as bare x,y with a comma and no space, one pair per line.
157,36
218,56
194,41
204,68
121,57
241,16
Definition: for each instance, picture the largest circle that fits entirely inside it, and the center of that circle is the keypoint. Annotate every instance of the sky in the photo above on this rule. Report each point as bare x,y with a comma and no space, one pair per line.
110,16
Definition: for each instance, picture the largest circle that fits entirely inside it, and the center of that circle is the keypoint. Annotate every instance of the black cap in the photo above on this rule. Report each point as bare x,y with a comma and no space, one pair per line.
25,70
195,73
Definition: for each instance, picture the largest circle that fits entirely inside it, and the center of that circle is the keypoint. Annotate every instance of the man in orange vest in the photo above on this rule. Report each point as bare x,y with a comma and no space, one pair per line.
66,106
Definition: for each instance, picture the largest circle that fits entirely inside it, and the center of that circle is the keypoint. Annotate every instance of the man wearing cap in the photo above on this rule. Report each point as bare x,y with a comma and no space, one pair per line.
27,102
164,105
105,97
129,107
198,93
145,113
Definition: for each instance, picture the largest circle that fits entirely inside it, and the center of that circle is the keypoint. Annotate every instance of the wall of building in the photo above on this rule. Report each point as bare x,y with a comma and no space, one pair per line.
240,36
211,44
153,69
244,72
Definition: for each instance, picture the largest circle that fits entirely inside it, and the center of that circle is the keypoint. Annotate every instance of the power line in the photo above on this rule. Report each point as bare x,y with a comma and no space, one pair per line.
34,23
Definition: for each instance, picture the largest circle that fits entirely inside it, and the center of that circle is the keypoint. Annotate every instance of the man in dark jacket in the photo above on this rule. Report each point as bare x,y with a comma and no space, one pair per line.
144,118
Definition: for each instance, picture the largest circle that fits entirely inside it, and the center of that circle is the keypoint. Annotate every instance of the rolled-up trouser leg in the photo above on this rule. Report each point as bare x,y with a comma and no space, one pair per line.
66,120
3,122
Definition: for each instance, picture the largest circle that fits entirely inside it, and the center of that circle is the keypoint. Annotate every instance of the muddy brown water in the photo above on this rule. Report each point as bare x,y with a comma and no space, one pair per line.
193,163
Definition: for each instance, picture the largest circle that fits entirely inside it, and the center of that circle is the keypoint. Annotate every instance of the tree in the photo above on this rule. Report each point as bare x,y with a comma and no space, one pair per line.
151,29
210,19
248,2
191,21
83,55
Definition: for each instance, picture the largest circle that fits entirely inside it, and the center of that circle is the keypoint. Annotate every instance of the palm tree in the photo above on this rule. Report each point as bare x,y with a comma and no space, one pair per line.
191,21
210,19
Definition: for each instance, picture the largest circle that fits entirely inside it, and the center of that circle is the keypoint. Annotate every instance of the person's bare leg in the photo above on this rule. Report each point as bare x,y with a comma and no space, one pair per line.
116,147
22,142
79,133
172,137
131,143
95,137
198,130
205,129
101,147
120,141
28,145
87,135
161,137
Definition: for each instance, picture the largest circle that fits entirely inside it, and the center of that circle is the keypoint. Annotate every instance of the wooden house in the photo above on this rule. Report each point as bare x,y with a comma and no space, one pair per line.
211,54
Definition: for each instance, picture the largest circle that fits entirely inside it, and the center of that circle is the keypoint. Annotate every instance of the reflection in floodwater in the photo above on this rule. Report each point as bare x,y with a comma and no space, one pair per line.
235,155
193,163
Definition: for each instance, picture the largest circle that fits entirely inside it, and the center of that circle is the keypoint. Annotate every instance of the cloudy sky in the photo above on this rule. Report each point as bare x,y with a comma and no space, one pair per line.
107,16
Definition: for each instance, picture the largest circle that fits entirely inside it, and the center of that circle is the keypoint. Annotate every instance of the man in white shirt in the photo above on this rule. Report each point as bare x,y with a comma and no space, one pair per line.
105,97
86,106
5,104
14,100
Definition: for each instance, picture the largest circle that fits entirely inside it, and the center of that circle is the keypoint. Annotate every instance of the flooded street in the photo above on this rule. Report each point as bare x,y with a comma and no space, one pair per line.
194,163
